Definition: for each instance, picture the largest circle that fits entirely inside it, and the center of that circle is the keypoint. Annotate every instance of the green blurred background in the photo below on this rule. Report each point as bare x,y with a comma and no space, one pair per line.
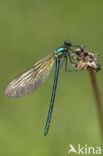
30,30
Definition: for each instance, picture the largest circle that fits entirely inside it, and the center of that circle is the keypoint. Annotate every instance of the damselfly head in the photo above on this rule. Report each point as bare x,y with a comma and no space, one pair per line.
67,43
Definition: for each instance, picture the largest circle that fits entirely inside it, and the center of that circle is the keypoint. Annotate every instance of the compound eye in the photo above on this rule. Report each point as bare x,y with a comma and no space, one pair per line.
68,43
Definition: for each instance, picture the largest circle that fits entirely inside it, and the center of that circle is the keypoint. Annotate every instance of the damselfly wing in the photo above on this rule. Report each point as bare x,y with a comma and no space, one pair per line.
29,81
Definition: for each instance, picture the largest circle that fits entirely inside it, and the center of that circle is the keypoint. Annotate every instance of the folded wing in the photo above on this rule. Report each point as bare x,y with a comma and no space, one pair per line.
29,81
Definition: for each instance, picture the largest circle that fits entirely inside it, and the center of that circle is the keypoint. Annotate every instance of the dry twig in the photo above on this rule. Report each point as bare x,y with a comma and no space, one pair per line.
86,59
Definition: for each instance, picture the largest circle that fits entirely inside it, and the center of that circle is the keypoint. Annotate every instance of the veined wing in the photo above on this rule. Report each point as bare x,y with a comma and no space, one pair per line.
29,81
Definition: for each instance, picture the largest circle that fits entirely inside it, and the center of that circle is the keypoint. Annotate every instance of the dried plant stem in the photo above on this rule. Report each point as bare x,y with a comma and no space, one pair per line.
98,100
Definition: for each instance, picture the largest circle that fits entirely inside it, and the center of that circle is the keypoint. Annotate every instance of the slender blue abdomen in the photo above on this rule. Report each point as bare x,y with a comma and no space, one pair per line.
53,97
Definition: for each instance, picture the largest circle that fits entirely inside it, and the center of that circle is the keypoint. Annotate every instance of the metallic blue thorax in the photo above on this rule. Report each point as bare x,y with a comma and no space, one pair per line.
60,50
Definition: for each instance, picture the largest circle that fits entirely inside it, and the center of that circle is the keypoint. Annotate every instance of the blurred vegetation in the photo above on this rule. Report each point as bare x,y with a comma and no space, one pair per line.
30,30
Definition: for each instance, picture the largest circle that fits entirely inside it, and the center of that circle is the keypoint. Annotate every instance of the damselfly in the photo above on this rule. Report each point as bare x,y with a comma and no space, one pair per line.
29,81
